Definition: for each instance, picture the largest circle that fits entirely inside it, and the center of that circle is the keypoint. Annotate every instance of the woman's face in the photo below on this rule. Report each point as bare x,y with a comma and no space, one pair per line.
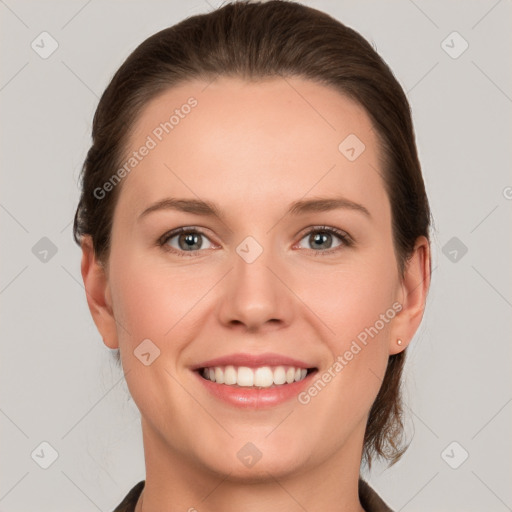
264,284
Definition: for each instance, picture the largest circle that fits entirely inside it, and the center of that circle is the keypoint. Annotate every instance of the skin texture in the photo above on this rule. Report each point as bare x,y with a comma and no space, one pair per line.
254,148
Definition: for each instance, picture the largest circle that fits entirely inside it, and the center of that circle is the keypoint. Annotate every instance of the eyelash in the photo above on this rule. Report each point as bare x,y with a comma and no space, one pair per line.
342,235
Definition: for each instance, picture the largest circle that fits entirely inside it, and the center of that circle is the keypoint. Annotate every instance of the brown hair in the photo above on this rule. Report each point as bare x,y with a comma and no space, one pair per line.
254,40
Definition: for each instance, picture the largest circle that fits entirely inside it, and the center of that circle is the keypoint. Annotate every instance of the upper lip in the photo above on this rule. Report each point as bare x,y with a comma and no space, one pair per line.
253,361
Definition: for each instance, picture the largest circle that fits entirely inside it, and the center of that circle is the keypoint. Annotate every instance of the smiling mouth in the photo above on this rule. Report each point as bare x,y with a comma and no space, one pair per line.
261,377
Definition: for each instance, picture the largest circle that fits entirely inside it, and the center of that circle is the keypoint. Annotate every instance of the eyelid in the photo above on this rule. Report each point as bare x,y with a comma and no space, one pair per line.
162,241
345,238
320,227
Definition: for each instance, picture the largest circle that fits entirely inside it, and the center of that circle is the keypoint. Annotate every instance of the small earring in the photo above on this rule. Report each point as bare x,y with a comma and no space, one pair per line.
399,341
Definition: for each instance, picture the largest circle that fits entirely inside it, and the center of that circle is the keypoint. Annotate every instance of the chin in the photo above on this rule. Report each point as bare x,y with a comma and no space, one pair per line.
254,463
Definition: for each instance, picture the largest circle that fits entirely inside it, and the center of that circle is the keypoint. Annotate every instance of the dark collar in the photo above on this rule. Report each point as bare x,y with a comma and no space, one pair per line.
370,500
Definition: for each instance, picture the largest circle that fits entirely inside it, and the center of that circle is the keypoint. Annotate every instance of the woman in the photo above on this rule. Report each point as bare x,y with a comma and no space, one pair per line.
255,237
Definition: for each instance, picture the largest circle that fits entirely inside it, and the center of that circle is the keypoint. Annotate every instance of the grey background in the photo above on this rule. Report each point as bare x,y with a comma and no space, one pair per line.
58,381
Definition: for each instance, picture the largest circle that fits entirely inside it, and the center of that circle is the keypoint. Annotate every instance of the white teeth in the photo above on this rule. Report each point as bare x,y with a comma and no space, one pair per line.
262,377
230,375
219,375
290,375
245,376
279,375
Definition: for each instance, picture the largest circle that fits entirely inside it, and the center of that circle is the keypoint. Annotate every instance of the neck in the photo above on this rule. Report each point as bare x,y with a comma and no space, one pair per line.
174,483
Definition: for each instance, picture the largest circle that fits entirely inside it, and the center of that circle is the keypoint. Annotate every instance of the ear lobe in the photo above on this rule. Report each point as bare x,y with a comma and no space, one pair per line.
414,289
98,294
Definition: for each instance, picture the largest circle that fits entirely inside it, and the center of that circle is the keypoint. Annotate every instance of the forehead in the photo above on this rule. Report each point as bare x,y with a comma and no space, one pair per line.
261,140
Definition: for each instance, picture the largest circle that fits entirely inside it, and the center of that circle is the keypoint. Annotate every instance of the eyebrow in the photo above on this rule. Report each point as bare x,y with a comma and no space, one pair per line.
209,209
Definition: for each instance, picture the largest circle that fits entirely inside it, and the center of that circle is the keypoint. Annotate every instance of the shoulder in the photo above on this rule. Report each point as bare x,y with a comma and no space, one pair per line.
130,500
370,500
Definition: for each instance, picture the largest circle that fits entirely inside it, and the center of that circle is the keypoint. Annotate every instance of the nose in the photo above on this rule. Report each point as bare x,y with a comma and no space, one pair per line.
255,295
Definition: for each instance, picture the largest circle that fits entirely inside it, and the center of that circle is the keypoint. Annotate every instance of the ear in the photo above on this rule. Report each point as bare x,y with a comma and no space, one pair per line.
412,296
98,295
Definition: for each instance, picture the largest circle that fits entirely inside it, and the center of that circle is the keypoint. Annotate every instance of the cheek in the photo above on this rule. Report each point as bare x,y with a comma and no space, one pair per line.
357,302
351,297
148,300
151,302
358,307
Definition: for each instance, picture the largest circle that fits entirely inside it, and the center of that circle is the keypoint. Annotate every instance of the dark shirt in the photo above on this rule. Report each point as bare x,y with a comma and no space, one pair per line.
370,500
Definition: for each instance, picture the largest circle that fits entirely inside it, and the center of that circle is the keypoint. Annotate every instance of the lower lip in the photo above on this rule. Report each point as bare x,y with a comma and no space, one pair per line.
255,398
